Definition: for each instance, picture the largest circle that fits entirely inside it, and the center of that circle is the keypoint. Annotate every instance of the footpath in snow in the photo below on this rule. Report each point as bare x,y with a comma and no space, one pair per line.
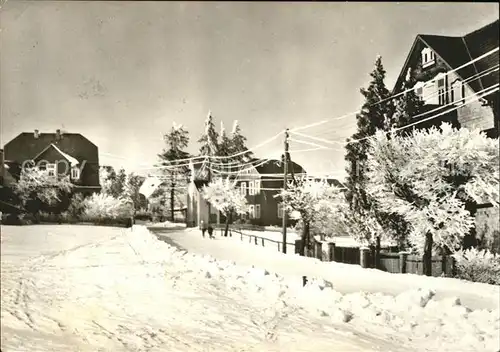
83,288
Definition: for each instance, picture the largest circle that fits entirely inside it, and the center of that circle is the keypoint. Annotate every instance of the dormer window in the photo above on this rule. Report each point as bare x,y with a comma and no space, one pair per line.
75,173
50,169
428,57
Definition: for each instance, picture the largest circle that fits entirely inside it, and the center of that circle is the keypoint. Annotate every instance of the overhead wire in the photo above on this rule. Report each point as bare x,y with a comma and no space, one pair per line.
318,123
470,99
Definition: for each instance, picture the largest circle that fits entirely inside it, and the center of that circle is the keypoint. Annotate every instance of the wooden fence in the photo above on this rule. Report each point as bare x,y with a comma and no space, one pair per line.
388,259
254,239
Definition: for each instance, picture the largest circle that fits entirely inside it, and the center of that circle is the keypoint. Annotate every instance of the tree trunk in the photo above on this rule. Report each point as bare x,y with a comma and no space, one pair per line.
228,220
377,252
304,238
427,259
172,194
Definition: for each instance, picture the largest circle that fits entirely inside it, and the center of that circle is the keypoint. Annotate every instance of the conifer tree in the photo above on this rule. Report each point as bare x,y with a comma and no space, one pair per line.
225,147
174,157
238,144
375,114
209,138
407,105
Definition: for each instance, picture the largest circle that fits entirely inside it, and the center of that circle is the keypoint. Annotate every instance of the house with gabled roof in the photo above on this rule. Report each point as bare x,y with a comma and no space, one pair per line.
58,154
446,80
260,181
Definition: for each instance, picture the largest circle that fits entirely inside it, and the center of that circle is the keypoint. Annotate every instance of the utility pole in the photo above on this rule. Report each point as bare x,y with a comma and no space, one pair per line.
172,197
285,171
209,180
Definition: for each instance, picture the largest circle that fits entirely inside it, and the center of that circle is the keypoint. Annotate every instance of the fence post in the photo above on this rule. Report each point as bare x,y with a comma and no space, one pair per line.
331,251
363,257
241,236
402,262
279,249
262,241
250,239
318,246
255,240
297,246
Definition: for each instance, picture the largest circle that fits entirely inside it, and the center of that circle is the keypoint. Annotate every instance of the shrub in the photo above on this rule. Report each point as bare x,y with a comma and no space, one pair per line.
76,206
48,217
478,266
101,206
143,215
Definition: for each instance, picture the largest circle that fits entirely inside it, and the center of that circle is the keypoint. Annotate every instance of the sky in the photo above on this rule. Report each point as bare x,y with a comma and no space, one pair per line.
121,73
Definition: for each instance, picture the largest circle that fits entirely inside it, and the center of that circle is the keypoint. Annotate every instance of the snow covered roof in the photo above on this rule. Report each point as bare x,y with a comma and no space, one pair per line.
73,161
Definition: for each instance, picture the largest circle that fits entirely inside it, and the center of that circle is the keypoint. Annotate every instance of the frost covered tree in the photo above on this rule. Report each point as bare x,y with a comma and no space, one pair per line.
224,146
38,191
173,159
209,138
132,186
107,176
313,201
225,197
376,114
113,183
238,144
429,178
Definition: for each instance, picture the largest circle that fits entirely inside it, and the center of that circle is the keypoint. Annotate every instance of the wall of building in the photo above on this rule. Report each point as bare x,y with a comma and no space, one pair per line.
474,114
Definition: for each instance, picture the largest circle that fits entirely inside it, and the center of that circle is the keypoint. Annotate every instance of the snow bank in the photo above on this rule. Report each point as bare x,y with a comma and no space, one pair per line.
443,325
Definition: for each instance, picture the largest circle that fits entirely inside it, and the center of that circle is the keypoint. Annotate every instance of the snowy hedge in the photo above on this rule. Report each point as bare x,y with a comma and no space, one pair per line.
102,206
478,266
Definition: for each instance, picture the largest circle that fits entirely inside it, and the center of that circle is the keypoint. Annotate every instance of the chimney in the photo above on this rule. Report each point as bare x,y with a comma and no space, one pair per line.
58,134
37,134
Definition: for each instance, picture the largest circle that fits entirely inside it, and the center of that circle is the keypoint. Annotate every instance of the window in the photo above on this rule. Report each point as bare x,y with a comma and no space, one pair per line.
441,88
457,92
243,188
280,210
75,173
430,93
428,57
51,170
251,211
419,91
251,189
257,211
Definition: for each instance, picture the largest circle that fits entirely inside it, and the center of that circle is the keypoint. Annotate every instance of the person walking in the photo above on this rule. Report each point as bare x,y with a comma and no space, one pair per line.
210,231
203,228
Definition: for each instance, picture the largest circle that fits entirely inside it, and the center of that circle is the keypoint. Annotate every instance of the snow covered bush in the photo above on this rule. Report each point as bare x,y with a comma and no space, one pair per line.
38,191
478,266
222,194
76,206
101,206
315,203
429,177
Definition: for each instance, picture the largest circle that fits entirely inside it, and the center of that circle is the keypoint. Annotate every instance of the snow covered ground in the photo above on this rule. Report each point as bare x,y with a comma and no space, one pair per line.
84,288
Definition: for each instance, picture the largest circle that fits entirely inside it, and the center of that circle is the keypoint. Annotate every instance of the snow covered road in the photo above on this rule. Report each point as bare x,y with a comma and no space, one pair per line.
83,288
